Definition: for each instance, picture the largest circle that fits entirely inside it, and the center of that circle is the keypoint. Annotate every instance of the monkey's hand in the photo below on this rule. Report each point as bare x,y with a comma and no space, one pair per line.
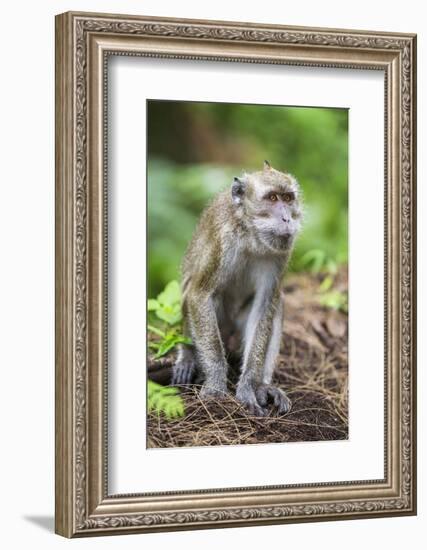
183,372
185,369
246,395
266,393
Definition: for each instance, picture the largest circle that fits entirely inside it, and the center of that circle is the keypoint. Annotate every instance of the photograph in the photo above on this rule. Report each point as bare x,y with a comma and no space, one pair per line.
247,274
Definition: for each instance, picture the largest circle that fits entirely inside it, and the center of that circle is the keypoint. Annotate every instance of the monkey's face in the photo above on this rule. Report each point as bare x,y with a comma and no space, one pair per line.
271,203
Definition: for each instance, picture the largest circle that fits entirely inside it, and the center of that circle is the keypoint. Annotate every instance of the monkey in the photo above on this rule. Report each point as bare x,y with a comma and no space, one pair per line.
231,276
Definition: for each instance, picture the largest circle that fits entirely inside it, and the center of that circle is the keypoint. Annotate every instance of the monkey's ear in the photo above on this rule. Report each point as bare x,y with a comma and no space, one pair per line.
237,190
267,165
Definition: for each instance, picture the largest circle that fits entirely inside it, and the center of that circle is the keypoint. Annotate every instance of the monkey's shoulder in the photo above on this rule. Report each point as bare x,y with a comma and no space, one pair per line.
217,224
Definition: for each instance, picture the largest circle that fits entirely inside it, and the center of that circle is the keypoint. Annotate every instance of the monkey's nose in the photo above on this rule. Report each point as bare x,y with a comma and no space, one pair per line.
285,219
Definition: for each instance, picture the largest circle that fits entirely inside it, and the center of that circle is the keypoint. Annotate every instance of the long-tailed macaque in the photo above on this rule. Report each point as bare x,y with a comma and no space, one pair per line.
231,277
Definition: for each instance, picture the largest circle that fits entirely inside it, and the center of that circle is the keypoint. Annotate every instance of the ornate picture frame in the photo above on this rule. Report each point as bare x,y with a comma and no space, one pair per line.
84,42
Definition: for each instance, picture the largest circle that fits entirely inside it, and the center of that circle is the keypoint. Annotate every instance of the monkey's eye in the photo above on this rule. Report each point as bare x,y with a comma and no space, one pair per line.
272,197
287,197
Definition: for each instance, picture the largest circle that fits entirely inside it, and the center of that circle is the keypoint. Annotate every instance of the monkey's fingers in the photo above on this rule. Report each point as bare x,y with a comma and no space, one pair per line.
249,400
262,396
267,393
183,373
256,410
282,403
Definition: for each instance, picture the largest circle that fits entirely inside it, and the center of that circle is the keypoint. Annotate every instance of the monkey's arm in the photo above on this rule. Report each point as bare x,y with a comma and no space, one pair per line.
203,324
262,343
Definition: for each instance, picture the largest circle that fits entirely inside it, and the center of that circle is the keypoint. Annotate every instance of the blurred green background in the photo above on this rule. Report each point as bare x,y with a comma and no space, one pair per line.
195,150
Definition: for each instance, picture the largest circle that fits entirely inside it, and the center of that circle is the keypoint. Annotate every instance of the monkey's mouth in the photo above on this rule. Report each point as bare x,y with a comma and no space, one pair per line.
280,240
285,237
284,232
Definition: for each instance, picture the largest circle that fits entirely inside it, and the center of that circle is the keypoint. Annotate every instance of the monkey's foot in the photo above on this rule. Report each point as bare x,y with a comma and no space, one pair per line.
247,397
218,391
267,393
183,373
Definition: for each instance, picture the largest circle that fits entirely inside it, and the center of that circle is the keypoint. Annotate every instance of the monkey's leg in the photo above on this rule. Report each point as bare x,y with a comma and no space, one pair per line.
184,370
209,346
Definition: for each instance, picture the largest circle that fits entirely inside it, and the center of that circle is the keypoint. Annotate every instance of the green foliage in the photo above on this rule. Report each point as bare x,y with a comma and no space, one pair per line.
167,308
169,340
334,299
331,297
164,399
197,155
326,284
317,261
167,305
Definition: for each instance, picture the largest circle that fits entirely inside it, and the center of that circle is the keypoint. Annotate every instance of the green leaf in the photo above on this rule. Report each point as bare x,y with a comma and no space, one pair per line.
171,340
165,347
331,266
334,300
152,305
326,284
171,295
153,345
157,331
314,260
171,315
164,399
167,306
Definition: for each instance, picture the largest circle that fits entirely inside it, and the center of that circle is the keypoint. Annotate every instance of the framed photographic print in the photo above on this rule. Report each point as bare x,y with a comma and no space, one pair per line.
235,274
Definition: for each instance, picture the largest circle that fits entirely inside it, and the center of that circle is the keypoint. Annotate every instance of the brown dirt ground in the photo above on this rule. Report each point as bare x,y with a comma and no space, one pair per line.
312,369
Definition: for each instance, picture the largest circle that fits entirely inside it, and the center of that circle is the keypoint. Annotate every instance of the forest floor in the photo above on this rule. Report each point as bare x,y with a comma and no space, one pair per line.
312,369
